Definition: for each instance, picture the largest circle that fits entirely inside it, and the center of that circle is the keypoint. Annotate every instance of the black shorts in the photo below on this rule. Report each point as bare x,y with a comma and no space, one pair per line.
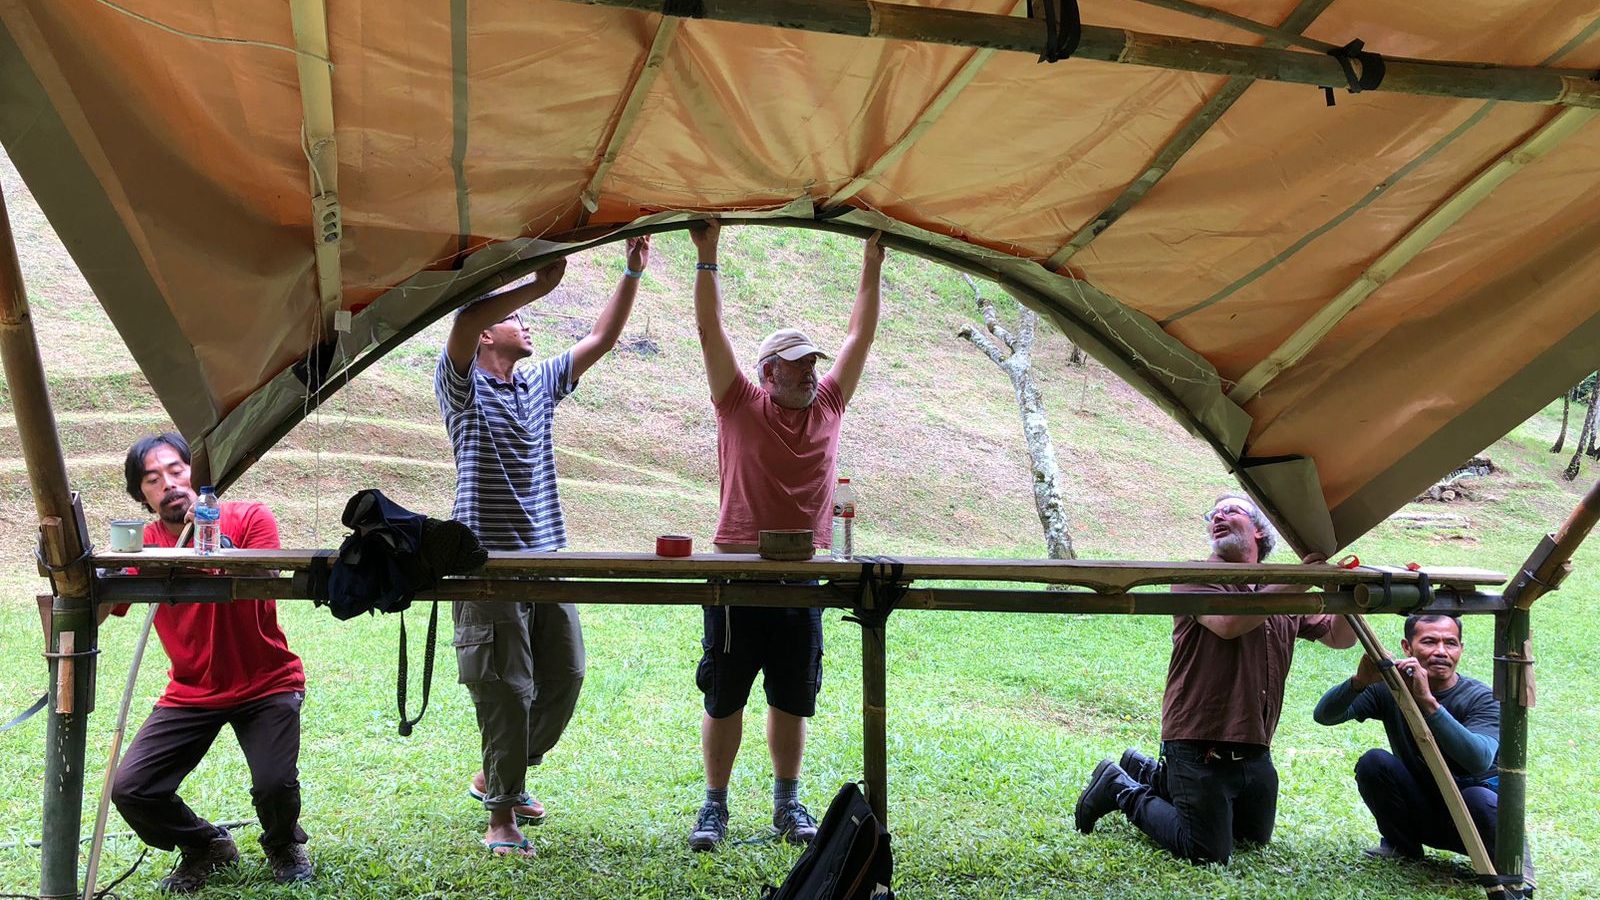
739,641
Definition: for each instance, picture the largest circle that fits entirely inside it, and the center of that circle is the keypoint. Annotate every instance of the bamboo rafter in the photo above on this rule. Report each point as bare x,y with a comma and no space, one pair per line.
895,21
936,107
1184,140
660,46
1418,239
1285,35
310,20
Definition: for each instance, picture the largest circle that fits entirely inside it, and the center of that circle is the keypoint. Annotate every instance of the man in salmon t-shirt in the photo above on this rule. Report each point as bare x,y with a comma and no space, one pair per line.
230,666
777,444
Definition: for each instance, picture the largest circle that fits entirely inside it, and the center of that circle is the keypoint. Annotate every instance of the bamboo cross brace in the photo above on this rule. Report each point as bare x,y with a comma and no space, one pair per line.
655,57
1482,863
1408,248
898,21
309,19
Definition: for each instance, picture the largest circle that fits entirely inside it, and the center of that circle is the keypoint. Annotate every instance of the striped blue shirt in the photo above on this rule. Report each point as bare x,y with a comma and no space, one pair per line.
505,451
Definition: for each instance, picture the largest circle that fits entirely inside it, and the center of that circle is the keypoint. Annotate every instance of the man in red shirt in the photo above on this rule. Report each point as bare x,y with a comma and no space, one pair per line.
1215,784
230,666
777,444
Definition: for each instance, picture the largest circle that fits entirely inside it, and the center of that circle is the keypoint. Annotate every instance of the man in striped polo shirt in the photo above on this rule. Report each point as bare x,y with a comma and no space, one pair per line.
523,663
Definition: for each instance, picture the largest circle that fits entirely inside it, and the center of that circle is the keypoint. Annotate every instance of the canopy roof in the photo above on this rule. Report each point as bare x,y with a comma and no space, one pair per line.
1344,302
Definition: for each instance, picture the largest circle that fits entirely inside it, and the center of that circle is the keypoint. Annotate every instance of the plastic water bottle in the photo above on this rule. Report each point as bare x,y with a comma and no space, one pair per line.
207,522
844,520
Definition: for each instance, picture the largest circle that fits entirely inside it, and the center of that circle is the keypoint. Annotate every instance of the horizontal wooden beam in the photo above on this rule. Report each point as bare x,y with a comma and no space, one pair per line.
186,588
897,21
1097,575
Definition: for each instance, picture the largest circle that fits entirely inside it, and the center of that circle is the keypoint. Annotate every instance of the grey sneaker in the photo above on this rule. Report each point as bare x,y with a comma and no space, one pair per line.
795,822
710,827
196,864
290,863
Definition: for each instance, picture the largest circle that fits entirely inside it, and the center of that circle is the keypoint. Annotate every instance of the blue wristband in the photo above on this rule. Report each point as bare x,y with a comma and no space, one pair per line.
706,267
630,273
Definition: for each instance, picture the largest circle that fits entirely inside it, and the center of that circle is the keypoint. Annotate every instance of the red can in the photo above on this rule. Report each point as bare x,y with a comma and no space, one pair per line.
674,545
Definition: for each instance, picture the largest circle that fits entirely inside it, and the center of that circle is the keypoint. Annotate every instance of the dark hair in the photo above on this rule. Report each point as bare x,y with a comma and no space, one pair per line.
1413,621
133,466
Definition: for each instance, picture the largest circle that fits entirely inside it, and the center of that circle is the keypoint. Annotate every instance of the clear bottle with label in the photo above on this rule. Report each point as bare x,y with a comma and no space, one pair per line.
844,521
207,522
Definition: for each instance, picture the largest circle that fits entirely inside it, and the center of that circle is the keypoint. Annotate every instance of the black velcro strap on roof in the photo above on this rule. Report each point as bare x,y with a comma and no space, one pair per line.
1372,68
1063,29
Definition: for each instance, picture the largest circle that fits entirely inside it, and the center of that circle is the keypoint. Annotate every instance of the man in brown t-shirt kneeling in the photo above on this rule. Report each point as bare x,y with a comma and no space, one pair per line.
1215,783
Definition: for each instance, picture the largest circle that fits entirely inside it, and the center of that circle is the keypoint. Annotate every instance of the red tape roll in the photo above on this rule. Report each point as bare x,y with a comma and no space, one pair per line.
674,545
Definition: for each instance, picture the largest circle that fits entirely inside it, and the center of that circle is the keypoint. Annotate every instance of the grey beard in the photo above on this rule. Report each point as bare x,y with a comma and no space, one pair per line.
1234,546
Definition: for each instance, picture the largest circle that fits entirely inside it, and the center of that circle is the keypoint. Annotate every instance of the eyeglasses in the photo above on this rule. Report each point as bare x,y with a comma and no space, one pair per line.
1226,509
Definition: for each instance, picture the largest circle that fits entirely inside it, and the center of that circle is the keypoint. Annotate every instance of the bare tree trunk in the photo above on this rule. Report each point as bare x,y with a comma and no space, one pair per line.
1566,408
1584,436
1016,360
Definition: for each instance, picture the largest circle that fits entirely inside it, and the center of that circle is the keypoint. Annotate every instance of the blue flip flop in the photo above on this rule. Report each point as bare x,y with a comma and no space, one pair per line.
518,846
522,818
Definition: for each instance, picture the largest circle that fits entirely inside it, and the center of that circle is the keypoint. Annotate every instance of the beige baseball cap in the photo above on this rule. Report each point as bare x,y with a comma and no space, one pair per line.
789,343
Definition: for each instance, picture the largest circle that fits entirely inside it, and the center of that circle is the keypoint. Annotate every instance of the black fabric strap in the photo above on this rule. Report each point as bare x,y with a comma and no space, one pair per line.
1372,69
406,724
26,714
684,9
1063,29
878,591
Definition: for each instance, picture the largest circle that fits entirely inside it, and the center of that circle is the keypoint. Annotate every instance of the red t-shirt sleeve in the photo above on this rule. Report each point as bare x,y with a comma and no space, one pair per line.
258,530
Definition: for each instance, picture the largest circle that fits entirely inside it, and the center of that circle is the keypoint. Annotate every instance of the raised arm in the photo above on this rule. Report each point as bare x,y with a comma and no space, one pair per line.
608,327
462,345
863,320
1230,627
722,368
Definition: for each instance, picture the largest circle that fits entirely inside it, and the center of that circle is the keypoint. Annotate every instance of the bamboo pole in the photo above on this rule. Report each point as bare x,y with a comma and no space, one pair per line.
660,46
63,546
1285,35
92,872
1551,560
875,720
1429,749
1183,141
1513,665
1408,248
968,29
930,114
309,19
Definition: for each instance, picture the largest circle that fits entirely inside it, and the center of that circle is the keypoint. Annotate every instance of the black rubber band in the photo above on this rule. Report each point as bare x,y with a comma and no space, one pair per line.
880,582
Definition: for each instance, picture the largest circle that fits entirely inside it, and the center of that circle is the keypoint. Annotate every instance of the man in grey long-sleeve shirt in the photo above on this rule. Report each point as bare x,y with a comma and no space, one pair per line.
1464,717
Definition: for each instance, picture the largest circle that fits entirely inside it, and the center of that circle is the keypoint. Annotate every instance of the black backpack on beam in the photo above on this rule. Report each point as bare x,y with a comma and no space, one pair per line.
848,860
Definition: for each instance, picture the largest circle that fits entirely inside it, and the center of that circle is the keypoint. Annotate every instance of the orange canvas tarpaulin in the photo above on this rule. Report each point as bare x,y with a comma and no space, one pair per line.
164,140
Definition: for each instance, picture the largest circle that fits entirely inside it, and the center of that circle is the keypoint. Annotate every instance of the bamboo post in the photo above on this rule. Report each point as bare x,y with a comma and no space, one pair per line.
898,21
874,720
1481,862
63,545
1513,662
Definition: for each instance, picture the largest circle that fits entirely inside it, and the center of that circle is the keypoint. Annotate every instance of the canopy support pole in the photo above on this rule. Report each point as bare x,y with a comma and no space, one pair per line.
63,545
1418,239
310,22
896,21
875,720
655,57
1481,862
1181,143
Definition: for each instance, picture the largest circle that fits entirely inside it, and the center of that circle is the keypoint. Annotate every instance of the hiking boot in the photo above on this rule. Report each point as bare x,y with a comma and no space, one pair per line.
290,863
196,864
1386,850
795,822
710,827
1106,784
1139,767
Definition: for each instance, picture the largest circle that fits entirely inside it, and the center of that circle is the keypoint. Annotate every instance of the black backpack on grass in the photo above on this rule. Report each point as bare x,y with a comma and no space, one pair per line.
848,860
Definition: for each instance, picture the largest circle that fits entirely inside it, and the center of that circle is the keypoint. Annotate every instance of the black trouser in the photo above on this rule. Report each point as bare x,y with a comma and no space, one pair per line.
1204,797
1410,811
171,743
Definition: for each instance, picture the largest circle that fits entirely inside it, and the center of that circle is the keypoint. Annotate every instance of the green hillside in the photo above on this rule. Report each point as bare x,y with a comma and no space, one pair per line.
995,720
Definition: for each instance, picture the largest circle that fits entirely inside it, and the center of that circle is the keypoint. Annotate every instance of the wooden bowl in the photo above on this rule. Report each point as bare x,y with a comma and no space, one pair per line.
788,544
